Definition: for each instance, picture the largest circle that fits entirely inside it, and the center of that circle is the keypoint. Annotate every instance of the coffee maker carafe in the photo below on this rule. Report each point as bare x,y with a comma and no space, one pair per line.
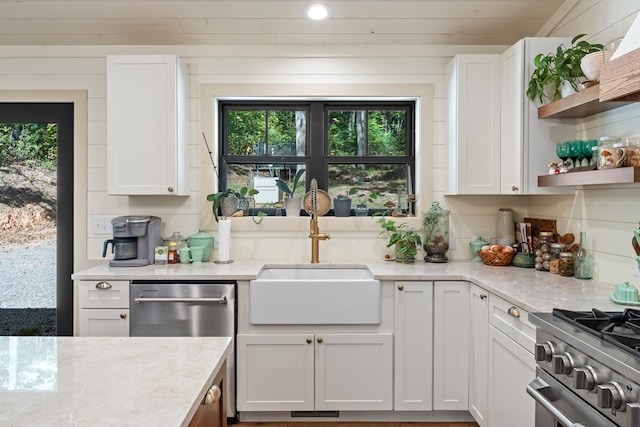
134,240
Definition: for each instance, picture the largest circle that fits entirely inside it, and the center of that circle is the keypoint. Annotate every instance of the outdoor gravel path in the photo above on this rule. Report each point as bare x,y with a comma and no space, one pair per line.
28,288
28,274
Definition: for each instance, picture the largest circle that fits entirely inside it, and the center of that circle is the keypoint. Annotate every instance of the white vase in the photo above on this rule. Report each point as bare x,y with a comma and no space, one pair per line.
506,233
292,206
566,89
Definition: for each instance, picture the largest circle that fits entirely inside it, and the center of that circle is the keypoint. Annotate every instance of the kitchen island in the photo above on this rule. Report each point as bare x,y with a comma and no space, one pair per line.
89,381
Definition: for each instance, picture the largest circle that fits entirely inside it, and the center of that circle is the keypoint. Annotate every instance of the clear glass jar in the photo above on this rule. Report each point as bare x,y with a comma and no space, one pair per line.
633,152
541,248
566,264
554,257
435,224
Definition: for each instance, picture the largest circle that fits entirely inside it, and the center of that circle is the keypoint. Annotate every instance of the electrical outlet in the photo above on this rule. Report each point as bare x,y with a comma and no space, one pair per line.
101,225
452,243
636,266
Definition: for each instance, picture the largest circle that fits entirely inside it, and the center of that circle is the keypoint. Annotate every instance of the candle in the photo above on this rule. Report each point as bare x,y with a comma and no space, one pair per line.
224,240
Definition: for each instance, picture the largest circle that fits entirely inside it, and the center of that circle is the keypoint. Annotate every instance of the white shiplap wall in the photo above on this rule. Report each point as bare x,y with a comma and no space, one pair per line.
608,214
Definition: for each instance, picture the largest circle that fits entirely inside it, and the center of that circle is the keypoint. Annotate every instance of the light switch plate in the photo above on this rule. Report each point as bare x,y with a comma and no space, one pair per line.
101,225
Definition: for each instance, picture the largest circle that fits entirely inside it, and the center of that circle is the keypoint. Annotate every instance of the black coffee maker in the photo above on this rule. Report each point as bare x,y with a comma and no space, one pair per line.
134,240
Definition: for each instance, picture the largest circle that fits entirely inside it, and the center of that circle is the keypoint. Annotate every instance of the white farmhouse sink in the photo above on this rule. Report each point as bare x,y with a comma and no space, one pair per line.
315,295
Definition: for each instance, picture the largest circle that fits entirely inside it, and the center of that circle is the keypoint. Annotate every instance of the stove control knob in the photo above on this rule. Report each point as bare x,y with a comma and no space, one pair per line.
562,363
585,378
544,351
611,395
633,409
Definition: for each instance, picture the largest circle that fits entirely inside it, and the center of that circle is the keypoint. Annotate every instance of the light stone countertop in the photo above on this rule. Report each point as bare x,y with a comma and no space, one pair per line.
84,381
532,290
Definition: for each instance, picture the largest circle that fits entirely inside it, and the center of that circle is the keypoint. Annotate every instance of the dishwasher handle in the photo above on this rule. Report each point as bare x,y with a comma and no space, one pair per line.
222,300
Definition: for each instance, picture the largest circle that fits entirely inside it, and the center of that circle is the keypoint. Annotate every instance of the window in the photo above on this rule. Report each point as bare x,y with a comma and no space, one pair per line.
369,146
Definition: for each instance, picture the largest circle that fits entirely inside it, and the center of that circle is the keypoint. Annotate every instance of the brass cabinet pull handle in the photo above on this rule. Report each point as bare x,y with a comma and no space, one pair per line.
513,311
103,285
123,315
400,287
319,340
514,188
483,296
309,340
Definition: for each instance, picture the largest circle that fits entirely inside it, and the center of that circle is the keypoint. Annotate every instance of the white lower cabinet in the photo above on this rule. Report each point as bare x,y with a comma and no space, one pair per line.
413,346
511,365
103,308
479,354
451,346
317,371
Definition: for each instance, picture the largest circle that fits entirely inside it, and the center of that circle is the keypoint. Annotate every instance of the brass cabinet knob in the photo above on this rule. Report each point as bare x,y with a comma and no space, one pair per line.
319,340
103,285
513,311
213,395
400,287
483,296
123,315
170,189
514,188
309,340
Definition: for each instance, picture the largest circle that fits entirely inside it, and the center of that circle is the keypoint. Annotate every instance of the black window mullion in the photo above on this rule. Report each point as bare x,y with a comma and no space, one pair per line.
317,166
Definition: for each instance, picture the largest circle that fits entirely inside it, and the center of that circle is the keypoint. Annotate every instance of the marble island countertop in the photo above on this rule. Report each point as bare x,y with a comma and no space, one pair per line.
535,291
82,381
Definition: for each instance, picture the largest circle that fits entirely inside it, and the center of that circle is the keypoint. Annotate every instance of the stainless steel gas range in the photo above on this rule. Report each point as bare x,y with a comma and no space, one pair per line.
588,368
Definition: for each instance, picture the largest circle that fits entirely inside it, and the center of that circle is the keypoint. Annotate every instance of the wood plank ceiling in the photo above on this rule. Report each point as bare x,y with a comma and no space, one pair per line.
271,22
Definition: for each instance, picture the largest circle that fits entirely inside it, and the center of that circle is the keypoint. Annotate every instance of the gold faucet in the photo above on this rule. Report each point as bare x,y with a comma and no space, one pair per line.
314,230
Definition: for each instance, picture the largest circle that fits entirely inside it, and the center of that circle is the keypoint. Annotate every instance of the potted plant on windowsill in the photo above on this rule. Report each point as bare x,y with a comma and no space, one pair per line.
553,71
363,201
406,240
230,201
293,203
342,203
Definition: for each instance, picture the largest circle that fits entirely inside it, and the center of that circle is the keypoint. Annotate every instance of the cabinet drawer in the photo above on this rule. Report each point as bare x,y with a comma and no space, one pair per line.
103,294
513,321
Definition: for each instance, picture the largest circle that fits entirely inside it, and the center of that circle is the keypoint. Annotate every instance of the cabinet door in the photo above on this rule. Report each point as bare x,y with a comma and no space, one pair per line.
511,368
275,372
103,322
451,346
473,124
354,372
413,357
147,127
528,144
478,355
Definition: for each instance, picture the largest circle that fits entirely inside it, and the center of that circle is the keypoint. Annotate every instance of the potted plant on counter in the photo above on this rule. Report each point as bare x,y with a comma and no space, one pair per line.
230,201
293,203
406,240
559,69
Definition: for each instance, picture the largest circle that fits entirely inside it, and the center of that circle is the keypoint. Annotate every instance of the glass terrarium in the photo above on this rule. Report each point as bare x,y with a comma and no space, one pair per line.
435,223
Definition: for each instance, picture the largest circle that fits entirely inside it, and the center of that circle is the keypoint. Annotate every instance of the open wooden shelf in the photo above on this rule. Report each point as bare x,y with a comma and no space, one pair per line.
594,177
582,104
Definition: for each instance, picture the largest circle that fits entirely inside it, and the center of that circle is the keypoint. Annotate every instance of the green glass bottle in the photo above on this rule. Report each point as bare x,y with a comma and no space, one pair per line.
583,259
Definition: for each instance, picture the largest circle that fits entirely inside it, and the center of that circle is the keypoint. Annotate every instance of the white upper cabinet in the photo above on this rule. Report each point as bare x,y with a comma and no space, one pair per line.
147,130
472,110
527,143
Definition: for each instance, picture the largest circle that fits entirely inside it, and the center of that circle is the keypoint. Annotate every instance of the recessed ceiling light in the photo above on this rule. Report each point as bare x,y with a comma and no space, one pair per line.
317,11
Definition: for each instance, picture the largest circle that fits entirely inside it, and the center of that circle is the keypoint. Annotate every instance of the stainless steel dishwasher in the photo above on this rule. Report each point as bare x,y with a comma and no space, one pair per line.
188,308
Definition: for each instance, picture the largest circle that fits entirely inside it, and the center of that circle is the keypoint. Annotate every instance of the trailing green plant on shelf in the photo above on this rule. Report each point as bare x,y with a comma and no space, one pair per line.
553,69
217,198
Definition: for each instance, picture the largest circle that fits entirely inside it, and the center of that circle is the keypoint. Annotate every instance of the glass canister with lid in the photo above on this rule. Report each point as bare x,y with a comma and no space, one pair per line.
541,249
554,257
633,152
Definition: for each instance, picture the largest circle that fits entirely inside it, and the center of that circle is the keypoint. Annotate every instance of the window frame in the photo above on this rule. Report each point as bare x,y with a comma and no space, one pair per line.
316,159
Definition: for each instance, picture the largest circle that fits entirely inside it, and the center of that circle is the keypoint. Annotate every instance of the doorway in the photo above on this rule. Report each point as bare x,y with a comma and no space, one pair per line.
62,115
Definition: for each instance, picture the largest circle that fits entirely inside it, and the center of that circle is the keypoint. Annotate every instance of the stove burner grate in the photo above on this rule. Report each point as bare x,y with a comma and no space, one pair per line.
619,328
